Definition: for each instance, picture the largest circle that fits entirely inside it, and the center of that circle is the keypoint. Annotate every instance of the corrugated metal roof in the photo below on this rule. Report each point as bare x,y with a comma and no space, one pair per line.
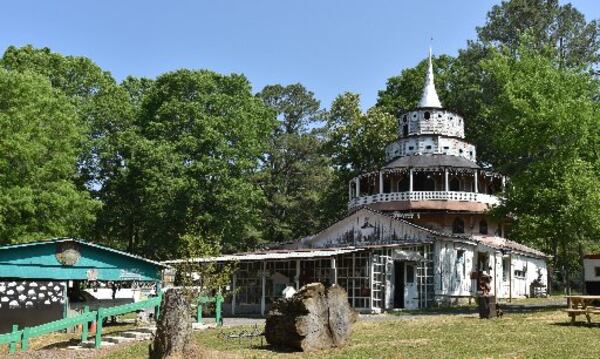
271,255
433,161
503,243
67,239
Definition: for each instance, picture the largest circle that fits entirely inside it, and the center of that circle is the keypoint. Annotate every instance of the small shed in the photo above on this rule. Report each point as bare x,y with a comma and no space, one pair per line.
37,278
591,271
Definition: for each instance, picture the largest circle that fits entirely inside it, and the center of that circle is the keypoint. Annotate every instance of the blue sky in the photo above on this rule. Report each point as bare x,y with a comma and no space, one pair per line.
330,46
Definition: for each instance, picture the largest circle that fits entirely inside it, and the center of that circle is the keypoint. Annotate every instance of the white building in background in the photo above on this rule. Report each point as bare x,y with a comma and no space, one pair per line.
417,232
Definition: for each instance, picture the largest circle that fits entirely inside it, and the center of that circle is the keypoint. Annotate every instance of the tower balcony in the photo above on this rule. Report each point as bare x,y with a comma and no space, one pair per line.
406,189
427,200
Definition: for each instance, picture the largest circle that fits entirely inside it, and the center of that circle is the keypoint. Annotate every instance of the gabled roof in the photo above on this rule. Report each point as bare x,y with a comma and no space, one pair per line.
79,241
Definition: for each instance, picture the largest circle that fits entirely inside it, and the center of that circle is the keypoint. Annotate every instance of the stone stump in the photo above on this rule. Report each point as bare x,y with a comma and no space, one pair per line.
314,318
173,328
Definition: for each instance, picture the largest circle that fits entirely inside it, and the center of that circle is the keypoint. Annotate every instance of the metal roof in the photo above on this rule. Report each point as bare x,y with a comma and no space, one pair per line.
437,161
271,255
67,239
503,243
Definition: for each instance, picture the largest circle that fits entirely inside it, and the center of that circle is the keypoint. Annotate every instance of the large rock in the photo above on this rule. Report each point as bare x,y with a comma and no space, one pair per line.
314,318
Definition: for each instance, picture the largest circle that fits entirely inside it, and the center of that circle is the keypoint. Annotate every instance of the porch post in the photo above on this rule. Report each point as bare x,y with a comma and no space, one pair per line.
410,182
446,187
371,265
263,291
380,182
297,277
334,267
503,183
233,296
357,184
510,278
350,190
476,186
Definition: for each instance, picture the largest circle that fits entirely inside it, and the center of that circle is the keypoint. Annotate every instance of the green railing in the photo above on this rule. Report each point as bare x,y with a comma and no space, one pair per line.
203,300
11,338
123,309
58,325
23,336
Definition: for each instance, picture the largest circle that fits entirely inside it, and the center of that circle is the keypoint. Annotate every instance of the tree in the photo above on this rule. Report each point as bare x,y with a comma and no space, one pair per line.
355,142
40,136
294,174
101,105
545,124
549,24
190,164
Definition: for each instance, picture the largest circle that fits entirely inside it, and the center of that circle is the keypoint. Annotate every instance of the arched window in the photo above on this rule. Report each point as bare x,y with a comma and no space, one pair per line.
458,226
403,185
483,227
423,182
454,184
427,115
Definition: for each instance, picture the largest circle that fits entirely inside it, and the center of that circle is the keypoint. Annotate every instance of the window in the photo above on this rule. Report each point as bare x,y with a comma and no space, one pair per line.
461,268
404,119
427,115
428,147
410,148
410,273
403,185
483,227
405,130
458,226
454,184
506,269
597,270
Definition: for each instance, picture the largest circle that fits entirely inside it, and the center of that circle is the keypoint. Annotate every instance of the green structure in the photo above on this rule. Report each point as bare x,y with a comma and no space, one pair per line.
37,279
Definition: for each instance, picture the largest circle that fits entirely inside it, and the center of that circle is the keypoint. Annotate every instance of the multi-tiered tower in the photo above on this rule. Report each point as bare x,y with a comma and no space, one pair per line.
431,176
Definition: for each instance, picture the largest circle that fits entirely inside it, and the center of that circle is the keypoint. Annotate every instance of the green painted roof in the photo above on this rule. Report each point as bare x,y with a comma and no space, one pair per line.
42,260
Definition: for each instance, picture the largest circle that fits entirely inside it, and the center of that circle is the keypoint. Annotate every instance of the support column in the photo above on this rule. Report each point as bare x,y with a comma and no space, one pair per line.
233,296
503,183
334,267
510,270
357,184
410,182
380,182
350,190
446,185
297,277
476,180
263,288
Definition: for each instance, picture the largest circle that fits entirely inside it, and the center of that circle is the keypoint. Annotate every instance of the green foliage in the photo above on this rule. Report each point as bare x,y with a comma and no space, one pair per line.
39,142
544,125
549,24
294,173
356,144
190,164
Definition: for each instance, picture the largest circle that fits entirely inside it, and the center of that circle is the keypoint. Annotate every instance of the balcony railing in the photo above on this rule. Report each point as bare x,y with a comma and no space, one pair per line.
425,196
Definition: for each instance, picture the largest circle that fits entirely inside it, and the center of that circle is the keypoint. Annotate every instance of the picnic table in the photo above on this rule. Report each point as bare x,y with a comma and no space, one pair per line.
582,305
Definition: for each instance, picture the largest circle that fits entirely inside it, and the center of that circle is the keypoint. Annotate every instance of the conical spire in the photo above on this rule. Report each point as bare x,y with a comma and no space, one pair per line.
430,97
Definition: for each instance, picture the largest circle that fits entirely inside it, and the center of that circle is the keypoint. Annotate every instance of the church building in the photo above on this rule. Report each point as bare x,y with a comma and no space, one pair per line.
417,233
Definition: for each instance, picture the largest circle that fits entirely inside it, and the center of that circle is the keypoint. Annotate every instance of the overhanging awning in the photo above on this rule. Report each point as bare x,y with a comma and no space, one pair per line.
270,255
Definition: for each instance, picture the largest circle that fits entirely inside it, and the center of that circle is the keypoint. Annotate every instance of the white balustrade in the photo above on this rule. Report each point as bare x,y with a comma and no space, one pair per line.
425,196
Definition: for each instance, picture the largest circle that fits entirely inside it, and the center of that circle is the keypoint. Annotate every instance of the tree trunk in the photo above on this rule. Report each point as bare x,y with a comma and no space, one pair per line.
174,327
314,318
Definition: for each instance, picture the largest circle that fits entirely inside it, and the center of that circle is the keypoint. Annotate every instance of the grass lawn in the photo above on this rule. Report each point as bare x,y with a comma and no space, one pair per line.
534,335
